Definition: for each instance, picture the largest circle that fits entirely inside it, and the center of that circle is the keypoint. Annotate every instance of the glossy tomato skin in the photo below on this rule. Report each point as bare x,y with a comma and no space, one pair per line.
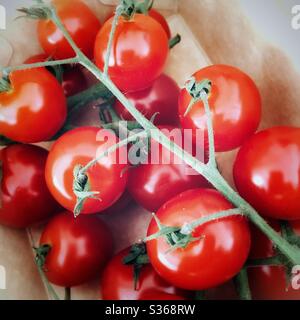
79,147
160,99
267,172
158,17
80,22
235,104
79,248
117,281
34,109
139,52
26,200
269,282
154,183
210,261
162,20
74,80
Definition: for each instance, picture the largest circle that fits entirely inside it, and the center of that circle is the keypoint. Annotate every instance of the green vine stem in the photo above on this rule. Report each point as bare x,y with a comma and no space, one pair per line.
48,63
211,174
174,41
242,285
67,294
40,264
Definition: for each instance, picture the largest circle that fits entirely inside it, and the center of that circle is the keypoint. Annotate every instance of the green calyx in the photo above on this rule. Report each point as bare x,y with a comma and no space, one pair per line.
5,85
130,7
137,258
81,189
175,236
40,11
198,91
41,254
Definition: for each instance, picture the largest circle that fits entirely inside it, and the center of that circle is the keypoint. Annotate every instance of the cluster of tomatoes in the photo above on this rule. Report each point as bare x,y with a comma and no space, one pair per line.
36,185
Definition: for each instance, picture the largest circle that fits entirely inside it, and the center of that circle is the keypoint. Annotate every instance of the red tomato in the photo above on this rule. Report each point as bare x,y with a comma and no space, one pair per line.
118,283
73,78
139,52
79,147
35,107
261,246
269,282
25,198
121,205
160,99
267,172
74,81
162,20
79,249
235,105
158,17
210,261
80,22
153,184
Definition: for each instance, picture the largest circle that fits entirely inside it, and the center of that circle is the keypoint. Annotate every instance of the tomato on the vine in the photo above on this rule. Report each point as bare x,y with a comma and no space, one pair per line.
81,23
159,101
153,183
117,281
79,147
25,199
267,172
158,17
73,81
78,248
139,52
218,252
34,108
270,282
235,106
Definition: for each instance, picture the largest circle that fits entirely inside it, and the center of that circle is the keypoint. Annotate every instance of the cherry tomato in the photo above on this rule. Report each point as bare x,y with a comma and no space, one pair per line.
118,283
34,109
73,78
235,105
139,52
158,17
209,261
25,199
161,100
81,23
73,81
123,203
79,147
154,183
79,248
267,172
269,282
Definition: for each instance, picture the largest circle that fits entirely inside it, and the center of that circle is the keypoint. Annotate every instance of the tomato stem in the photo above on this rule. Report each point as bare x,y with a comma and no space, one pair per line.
48,63
242,285
4,84
117,15
272,261
67,293
5,141
174,41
